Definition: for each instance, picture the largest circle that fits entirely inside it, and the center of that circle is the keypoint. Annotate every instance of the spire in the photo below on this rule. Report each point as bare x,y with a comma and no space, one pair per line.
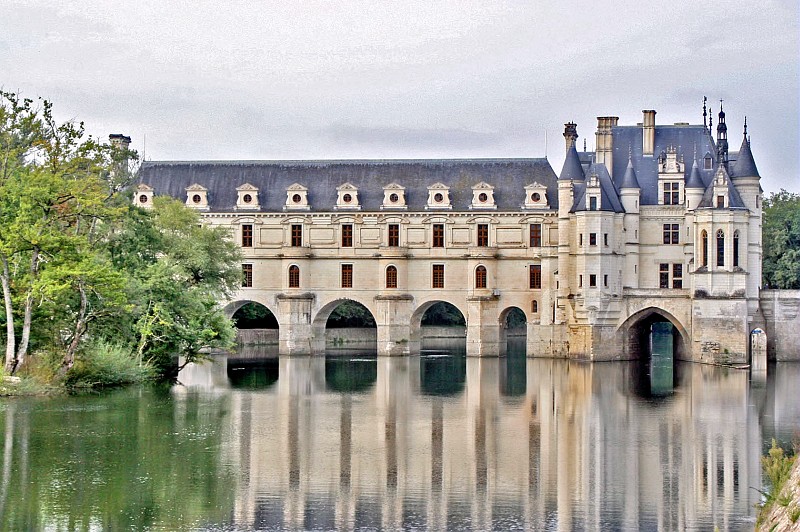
704,112
722,138
572,169
745,165
629,179
695,181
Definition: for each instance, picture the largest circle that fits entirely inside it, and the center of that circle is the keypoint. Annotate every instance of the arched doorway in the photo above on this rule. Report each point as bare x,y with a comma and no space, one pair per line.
656,340
513,331
256,325
345,326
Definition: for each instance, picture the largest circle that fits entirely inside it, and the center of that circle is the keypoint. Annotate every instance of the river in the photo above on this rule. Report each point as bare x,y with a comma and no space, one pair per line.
434,442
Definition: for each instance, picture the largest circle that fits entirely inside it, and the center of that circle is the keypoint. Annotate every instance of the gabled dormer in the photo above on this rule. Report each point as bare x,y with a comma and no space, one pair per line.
593,193
246,197
535,196
394,197
197,196
720,197
143,196
438,197
483,196
347,197
671,170
297,198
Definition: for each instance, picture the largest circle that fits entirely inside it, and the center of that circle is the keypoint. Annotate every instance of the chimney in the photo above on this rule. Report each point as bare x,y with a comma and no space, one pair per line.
604,146
119,141
648,132
570,133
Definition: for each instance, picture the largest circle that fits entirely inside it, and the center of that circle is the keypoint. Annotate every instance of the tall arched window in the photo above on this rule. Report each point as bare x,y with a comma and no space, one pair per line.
294,276
720,248
391,277
735,249
480,277
704,248
534,306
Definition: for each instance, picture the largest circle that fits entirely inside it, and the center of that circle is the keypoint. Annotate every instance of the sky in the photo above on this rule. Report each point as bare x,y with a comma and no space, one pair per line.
346,79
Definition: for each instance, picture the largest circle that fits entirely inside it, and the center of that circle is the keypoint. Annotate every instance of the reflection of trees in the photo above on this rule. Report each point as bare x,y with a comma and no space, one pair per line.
254,316
351,314
117,462
443,314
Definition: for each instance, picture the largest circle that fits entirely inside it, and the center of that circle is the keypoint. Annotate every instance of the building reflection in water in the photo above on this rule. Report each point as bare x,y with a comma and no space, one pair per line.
444,441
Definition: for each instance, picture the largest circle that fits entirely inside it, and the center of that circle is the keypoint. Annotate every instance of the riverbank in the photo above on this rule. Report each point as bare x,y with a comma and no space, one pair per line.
784,511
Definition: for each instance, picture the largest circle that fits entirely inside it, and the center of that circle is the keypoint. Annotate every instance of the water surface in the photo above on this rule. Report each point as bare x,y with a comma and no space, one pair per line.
438,442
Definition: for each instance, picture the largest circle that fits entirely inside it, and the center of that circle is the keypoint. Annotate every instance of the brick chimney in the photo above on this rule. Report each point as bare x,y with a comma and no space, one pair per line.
648,132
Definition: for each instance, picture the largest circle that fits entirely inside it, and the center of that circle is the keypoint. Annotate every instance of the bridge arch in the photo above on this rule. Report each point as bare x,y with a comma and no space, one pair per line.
419,312
636,328
233,307
512,319
320,320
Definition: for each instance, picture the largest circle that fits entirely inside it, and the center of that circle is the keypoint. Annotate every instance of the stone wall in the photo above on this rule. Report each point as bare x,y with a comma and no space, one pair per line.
780,309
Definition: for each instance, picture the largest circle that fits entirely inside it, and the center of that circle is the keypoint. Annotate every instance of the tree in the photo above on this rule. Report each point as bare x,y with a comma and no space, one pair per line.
781,230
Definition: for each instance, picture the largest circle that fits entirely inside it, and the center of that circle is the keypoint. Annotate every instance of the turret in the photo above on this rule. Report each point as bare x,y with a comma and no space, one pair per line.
694,188
722,138
571,171
630,190
630,196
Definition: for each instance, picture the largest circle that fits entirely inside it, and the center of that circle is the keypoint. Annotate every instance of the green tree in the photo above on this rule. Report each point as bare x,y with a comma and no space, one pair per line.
781,230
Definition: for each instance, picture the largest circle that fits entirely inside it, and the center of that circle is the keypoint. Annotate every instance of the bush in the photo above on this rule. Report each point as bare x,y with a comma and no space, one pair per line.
105,364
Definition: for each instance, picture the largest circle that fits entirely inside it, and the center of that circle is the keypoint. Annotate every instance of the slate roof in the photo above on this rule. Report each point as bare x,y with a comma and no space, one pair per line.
694,180
745,165
629,179
734,199
572,169
688,140
609,198
272,178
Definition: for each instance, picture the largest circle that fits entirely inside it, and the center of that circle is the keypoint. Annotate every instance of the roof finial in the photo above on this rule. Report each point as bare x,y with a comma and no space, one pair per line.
710,119
630,151
704,111
584,144
745,126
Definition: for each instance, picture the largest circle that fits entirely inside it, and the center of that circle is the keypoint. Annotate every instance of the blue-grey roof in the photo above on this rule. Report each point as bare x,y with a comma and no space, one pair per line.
734,199
572,169
695,180
609,198
745,165
629,179
272,178
686,139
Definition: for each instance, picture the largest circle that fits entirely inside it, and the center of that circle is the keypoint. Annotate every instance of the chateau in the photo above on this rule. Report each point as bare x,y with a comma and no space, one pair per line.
661,223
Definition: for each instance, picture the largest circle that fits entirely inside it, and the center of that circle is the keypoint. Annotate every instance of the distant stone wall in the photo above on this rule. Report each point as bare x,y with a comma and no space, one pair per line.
781,309
351,335
257,336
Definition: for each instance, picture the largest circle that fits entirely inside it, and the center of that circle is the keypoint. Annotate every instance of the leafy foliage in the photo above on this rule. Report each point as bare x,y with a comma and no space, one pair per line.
104,364
443,314
254,316
781,230
350,314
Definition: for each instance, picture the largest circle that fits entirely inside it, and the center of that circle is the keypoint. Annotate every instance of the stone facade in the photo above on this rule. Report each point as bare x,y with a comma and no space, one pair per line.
660,223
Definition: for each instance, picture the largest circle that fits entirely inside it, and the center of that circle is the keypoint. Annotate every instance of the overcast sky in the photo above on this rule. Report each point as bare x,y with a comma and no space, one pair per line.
340,79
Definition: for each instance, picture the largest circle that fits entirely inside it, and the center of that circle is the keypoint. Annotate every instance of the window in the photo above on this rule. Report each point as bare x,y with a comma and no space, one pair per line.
438,235
580,239
672,233
483,235
297,235
677,276
480,277
707,162
704,248
247,236
535,281
438,276
720,202
391,277
247,275
347,235
720,248
592,203
735,249
580,281
394,235
347,276
605,239
294,276
592,239
663,275
605,280
592,279
534,306
672,194
536,235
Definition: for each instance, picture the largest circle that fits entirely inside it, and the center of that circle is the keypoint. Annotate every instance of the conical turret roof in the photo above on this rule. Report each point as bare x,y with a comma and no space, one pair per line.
695,180
745,165
572,169
629,179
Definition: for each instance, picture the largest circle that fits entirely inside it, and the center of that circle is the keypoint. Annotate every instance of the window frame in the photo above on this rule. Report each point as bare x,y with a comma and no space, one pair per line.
437,237
482,237
346,277
294,276
247,275
296,235
535,277
393,236
437,276
347,235
391,276
247,235
480,276
535,235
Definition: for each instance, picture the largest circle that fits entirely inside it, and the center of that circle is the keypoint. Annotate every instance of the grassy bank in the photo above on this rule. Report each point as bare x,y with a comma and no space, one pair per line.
782,500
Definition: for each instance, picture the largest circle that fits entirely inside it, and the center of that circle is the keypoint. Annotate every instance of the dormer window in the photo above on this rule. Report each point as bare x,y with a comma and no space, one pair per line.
347,197
297,198
197,196
438,197
143,196
394,197
708,162
535,196
247,197
592,203
483,196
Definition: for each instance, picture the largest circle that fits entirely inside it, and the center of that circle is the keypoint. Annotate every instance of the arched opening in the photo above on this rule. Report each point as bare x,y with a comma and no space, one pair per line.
656,340
438,332
720,248
255,323
704,248
480,277
344,325
513,340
